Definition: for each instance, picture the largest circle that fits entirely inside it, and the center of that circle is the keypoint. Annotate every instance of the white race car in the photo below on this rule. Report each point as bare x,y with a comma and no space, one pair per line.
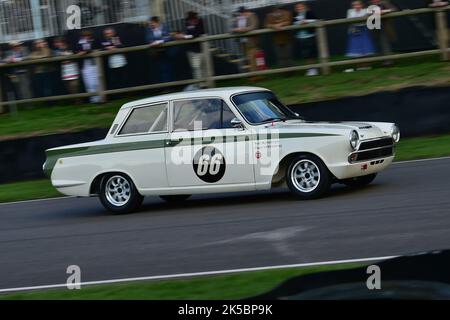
218,140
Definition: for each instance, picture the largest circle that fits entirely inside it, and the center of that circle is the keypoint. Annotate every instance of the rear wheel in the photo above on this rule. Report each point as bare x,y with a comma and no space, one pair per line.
175,198
359,181
118,194
307,177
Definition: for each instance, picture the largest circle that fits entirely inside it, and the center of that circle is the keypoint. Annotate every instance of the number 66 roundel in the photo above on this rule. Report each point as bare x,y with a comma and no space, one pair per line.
209,164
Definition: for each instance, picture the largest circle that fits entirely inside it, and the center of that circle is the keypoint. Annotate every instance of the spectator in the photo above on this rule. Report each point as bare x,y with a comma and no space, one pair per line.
306,47
385,36
158,34
247,21
19,76
359,40
278,19
194,29
42,73
116,62
86,45
70,72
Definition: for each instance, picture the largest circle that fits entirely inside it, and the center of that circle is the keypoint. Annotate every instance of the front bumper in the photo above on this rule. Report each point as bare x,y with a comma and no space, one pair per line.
363,168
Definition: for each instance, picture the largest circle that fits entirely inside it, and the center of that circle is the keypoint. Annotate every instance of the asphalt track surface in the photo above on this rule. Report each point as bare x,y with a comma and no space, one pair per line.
406,209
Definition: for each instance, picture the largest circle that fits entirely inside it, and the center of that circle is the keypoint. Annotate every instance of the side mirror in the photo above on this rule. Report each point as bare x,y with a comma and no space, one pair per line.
236,123
299,116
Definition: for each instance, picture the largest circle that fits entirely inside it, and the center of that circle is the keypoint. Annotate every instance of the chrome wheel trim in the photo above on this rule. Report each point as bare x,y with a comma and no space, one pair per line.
118,191
305,176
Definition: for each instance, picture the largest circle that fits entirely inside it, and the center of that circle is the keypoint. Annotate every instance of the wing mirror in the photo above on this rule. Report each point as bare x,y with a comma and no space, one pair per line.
299,116
236,123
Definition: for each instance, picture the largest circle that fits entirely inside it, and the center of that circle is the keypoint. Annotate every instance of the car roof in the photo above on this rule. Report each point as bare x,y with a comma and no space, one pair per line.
219,92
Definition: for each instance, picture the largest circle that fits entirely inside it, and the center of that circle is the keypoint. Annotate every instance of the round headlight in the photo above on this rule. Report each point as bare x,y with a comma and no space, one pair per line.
395,133
354,139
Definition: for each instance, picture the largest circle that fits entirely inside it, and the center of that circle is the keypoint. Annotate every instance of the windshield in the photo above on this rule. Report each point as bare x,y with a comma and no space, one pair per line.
262,107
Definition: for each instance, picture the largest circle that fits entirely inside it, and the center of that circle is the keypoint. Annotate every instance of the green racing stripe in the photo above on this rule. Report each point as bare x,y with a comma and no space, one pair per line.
54,155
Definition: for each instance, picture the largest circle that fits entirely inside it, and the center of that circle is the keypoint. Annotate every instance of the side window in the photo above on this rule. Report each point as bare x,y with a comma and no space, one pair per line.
146,120
201,114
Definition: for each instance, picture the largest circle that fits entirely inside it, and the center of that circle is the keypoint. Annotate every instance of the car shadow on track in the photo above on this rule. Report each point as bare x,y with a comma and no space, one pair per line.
91,209
154,204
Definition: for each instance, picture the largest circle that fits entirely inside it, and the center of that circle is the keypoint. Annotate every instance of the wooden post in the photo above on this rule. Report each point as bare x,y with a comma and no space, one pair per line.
209,64
101,77
322,45
442,34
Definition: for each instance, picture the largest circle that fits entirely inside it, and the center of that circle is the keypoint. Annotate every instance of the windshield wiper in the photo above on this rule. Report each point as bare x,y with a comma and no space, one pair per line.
274,119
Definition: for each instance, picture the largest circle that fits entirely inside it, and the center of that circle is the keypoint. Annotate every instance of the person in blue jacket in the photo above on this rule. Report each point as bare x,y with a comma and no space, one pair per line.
157,34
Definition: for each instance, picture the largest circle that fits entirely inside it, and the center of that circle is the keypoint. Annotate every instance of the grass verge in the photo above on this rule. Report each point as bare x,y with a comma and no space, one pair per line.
43,120
27,190
233,286
296,88
407,149
292,89
423,148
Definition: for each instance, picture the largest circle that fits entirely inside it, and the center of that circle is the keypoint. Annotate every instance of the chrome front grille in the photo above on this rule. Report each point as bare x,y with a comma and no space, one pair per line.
373,149
378,143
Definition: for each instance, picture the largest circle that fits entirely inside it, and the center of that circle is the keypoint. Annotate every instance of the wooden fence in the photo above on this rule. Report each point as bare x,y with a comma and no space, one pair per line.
210,79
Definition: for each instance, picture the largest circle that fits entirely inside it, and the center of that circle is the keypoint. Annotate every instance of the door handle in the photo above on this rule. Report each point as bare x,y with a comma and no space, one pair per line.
174,142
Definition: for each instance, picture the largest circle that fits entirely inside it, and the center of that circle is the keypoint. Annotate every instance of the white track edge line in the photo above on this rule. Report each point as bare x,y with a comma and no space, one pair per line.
421,160
36,200
195,274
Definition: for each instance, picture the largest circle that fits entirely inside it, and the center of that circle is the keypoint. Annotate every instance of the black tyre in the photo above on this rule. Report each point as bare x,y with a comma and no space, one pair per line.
175,198
360,181
118,194
307,177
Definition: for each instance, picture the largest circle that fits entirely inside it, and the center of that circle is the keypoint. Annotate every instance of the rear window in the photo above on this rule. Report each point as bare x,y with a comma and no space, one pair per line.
146,120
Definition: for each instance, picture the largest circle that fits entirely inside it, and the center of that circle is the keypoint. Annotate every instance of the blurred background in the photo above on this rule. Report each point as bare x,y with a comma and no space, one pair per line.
32,29
61,86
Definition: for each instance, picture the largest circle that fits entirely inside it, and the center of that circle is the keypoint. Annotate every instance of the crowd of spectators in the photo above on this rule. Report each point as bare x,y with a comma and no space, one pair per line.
44,79
41,80
302,44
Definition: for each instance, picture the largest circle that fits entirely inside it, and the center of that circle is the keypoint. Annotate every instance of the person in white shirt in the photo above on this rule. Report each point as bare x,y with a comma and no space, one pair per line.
86,45
305,45
70,72
116,62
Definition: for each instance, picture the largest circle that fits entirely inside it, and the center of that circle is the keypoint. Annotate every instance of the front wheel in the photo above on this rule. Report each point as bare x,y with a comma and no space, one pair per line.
359,181
308,178
118,194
